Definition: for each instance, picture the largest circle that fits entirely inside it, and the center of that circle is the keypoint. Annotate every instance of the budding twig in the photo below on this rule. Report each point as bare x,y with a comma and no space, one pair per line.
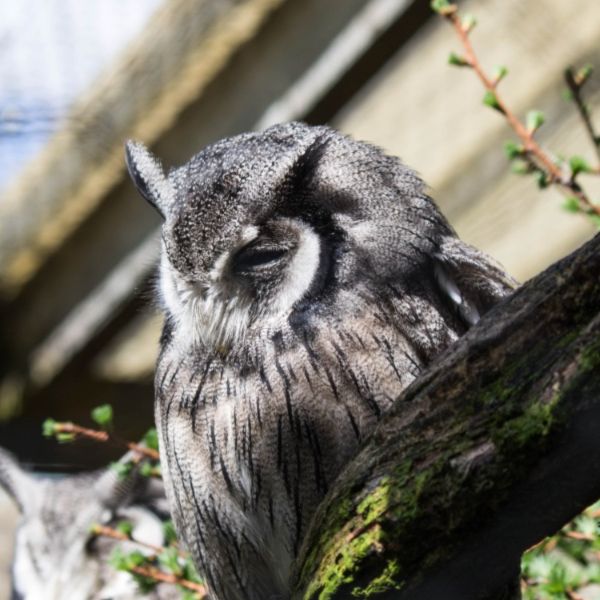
158,575
150,571
104,436
115,534
574,86
531,149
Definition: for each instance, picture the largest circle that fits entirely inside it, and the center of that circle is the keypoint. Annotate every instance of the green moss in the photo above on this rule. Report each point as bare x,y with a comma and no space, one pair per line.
365,532
342,570
590,358
376,502
387,580
569,338
344,510
352,547
536,421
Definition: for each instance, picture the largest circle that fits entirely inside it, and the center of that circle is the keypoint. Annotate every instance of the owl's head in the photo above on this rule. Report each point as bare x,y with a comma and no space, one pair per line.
273,227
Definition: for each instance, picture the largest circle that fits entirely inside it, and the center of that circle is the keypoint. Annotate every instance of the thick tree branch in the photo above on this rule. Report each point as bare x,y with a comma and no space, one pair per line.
493,448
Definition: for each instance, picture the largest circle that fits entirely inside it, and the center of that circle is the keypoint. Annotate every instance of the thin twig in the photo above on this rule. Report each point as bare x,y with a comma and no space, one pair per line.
115,534
158,575
575,89
530,145
104,436
149,571
579,535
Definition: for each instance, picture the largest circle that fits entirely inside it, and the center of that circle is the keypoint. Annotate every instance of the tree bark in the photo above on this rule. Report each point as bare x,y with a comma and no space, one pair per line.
494,447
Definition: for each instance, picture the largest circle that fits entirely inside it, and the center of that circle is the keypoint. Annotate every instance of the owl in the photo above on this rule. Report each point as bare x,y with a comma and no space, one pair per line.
56,555
306,279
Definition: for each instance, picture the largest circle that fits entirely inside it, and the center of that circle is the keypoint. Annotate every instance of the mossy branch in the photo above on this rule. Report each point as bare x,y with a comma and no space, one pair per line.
490,450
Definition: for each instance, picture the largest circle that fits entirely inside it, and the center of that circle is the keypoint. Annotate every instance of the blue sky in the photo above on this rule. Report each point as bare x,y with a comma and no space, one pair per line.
50,52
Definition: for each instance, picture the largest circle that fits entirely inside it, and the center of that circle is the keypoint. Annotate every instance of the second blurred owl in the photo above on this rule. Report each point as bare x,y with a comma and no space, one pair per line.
306,280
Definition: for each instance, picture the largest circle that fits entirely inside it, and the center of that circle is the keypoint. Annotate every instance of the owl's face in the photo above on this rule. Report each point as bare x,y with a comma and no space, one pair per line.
267,227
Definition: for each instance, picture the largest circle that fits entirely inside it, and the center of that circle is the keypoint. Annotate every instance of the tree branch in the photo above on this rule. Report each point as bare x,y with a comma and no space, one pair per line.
494,447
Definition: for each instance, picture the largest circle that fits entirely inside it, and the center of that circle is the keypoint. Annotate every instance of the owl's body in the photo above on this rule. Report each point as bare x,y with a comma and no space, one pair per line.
306,280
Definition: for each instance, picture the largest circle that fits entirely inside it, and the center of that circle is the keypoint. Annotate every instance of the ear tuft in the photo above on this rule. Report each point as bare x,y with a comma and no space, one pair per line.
115,490
17,482
148,176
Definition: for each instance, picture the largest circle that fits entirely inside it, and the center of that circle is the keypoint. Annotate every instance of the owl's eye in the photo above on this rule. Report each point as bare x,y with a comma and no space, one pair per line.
256,255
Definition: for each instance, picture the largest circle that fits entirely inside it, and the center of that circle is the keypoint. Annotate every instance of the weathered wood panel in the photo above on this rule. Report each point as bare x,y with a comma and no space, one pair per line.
431,115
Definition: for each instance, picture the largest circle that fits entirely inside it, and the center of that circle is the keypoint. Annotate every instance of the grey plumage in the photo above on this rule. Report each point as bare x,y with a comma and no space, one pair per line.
56,556
306,280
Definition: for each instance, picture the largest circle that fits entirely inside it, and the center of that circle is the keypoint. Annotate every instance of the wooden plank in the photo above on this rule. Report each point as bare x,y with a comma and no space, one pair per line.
431,115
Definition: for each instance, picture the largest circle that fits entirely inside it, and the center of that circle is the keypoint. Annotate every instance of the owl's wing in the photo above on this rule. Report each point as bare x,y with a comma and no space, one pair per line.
470,279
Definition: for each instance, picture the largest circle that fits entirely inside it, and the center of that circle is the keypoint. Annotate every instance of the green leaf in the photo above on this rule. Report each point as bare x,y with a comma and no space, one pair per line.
595,219
49,428
458,61
169,532
468,23
500,73
513,150
568,95
521,167
490,99
117,559
134,559
583,74
190,573
150,469
151,439
443,7
102,415
125,527
65,438
578,165
572,205
145,584
169,558
122,469
542,180
535,119
125,562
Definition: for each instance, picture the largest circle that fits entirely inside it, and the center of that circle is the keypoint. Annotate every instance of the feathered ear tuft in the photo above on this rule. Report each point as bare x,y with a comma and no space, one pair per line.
17,482
470,279
115,490
148,176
